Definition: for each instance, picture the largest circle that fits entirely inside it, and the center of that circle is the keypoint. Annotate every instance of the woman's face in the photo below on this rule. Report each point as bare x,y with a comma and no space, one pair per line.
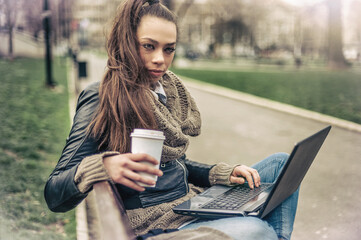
157,38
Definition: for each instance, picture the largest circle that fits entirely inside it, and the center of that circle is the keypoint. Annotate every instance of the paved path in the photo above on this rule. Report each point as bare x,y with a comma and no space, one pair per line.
330,197
236,131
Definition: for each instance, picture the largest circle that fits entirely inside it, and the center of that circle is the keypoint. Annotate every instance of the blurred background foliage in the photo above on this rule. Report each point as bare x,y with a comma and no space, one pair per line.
273,31
242,36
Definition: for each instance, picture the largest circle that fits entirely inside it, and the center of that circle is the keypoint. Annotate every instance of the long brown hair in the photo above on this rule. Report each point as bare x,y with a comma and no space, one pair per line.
123,93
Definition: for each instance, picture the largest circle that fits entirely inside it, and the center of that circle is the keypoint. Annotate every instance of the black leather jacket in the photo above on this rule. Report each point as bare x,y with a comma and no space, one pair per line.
61,192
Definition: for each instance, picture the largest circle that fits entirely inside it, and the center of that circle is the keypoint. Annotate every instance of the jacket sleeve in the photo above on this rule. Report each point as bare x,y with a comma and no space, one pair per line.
204,175
61,192
198,173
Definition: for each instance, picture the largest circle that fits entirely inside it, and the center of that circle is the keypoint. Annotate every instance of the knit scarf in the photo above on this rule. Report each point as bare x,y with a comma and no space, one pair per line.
179,119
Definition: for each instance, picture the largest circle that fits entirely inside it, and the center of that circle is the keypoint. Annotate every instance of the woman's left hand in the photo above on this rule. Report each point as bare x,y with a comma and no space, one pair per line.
242,173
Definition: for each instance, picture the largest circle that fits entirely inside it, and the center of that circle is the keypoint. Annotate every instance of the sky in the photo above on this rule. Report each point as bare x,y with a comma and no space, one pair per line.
302,2
311,2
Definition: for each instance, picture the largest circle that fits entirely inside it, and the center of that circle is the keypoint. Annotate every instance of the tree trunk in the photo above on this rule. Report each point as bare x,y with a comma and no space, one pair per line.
10,12
297,42
11,48
336,59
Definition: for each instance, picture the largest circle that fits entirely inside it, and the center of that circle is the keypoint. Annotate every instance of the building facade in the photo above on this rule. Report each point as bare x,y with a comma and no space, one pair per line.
91,20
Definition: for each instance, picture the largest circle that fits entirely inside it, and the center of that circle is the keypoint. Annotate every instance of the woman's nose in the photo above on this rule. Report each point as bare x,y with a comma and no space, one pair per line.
158,57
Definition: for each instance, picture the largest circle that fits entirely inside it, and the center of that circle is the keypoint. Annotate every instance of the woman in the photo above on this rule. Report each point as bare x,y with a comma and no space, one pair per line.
140,48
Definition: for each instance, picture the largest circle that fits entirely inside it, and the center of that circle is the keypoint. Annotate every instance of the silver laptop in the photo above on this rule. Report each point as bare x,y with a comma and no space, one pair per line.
224,201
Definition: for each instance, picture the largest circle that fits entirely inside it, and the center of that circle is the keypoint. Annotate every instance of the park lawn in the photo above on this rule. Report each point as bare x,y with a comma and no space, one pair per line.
334,93
34,125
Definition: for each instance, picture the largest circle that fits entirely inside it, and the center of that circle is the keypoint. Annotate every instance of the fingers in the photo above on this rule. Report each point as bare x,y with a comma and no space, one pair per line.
255,176
131,184
125,168
142,157
131,179
242,173
140,163
239,180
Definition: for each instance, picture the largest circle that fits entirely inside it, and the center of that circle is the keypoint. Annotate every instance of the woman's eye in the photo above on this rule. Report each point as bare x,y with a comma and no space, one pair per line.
148,46
169,50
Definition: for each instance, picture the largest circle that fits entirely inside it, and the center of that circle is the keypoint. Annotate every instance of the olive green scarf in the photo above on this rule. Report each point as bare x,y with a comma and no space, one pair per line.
179,119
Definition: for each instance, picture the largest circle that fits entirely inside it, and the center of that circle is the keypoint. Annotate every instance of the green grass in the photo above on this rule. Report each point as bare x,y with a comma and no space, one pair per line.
34,125
335,93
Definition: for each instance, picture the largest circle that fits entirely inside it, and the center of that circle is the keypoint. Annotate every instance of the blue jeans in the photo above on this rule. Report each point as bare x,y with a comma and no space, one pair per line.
277,224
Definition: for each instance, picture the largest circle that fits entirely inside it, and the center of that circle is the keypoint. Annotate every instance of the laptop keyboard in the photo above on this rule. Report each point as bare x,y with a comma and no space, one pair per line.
235,197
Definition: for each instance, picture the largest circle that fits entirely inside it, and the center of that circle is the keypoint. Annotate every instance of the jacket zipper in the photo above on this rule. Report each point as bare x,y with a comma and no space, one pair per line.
185,173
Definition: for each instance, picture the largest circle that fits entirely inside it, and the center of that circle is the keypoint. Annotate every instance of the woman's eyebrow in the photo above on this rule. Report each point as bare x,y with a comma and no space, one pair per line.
150,39
156,42
170,44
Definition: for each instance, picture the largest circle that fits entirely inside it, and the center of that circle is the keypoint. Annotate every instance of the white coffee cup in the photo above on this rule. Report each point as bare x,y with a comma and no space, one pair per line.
149,142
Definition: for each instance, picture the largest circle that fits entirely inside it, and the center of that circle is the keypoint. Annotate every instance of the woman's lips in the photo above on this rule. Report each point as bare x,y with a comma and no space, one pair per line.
156,73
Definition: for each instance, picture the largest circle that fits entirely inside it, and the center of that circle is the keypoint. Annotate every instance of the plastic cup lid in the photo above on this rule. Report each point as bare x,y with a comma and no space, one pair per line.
147,133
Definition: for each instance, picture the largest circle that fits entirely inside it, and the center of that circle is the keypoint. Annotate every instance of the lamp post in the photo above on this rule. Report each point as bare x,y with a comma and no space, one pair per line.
47,31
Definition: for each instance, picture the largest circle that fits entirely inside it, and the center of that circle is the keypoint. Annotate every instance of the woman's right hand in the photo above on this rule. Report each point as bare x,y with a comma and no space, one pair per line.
124,168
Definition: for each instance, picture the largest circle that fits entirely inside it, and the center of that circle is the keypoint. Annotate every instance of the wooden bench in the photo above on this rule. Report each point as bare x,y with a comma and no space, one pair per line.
107,219
111,219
